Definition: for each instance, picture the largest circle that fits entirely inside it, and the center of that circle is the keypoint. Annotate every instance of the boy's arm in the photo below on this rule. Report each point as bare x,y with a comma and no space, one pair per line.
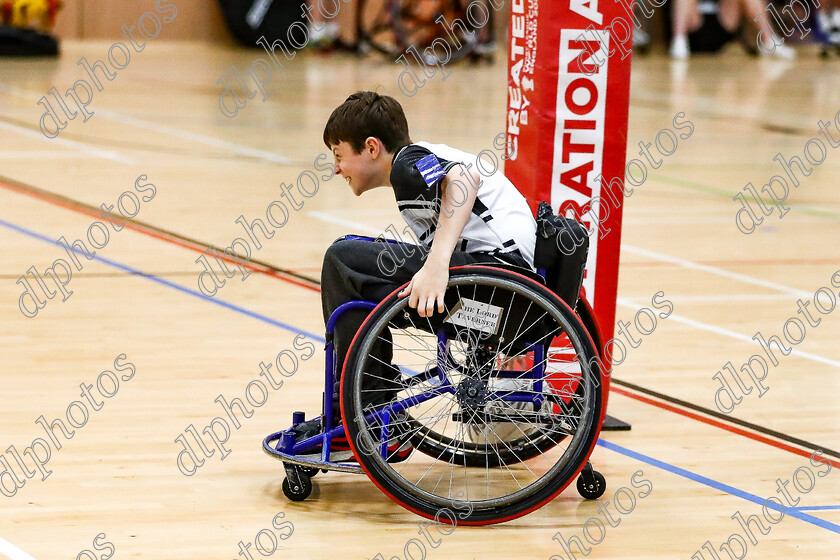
429,284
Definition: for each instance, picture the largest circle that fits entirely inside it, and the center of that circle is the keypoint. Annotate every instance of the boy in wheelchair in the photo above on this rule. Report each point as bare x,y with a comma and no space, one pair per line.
459,217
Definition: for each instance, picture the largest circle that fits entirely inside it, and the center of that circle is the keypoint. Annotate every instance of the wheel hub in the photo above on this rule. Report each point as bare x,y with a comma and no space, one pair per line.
472,393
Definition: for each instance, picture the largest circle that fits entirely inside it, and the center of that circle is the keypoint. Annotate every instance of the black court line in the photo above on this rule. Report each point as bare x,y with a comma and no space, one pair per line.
155,231
315,284
729,419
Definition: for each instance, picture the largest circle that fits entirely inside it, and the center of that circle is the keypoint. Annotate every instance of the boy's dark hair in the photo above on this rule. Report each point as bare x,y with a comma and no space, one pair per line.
365,114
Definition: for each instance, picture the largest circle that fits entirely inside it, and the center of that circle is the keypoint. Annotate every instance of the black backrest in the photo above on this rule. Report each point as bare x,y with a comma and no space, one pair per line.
562,248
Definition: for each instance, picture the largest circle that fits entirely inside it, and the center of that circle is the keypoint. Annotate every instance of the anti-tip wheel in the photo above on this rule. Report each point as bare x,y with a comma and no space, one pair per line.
594,490
298,492
311,471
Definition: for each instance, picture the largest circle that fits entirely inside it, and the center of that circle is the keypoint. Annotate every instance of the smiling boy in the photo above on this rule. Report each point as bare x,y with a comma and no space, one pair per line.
459,218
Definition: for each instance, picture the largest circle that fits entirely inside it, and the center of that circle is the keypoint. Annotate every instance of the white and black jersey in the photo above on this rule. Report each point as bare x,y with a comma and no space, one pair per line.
501,222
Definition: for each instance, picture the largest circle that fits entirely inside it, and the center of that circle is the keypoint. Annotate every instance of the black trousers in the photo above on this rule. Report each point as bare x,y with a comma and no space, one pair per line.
371,270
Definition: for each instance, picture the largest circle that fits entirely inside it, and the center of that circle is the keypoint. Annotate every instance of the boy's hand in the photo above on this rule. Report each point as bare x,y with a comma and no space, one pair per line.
427,287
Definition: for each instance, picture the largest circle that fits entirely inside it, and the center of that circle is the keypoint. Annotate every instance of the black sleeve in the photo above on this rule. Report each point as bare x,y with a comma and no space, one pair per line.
406,178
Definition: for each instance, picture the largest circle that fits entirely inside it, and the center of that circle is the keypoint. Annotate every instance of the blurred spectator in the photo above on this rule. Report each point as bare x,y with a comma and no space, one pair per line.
708,25
828,20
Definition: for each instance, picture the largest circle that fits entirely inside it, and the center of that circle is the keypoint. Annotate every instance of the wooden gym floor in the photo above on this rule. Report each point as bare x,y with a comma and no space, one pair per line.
118,474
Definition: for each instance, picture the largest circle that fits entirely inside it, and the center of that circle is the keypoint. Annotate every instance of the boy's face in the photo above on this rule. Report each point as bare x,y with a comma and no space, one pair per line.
362,171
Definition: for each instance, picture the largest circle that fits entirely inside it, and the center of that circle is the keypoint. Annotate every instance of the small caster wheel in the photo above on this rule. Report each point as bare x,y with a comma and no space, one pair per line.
298,492
594,489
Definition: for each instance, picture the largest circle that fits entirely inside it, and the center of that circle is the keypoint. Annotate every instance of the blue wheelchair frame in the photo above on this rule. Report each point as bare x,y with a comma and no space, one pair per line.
287,449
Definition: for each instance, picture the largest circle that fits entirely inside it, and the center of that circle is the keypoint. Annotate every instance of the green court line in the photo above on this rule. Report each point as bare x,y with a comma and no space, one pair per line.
731,195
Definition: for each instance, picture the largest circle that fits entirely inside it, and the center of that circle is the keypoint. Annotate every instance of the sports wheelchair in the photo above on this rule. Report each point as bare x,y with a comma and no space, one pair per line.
502,397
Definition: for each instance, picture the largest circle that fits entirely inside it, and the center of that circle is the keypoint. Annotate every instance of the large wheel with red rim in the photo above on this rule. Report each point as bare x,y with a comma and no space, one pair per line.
530,399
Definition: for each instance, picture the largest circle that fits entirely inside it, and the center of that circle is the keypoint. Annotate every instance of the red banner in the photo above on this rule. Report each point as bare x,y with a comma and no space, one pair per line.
568,86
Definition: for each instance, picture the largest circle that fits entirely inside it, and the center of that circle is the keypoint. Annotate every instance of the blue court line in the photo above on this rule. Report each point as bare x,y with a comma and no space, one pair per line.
167,283
612,446
815,508
792,512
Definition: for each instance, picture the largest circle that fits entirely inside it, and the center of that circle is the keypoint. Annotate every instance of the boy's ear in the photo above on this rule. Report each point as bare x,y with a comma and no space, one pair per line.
374,146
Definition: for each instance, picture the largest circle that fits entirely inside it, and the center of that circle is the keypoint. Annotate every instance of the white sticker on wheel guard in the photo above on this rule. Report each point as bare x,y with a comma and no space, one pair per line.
475,315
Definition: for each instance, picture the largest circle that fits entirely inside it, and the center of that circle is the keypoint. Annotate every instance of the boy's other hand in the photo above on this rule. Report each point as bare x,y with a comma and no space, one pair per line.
427,287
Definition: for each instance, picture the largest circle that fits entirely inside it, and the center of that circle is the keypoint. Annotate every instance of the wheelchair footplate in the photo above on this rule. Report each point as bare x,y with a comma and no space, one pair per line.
303,460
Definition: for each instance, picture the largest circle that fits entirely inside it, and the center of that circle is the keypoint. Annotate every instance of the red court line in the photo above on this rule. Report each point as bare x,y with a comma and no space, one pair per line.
56,201
267,271
719,424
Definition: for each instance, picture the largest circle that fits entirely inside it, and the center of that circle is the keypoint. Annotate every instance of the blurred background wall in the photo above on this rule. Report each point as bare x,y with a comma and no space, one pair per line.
197,20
